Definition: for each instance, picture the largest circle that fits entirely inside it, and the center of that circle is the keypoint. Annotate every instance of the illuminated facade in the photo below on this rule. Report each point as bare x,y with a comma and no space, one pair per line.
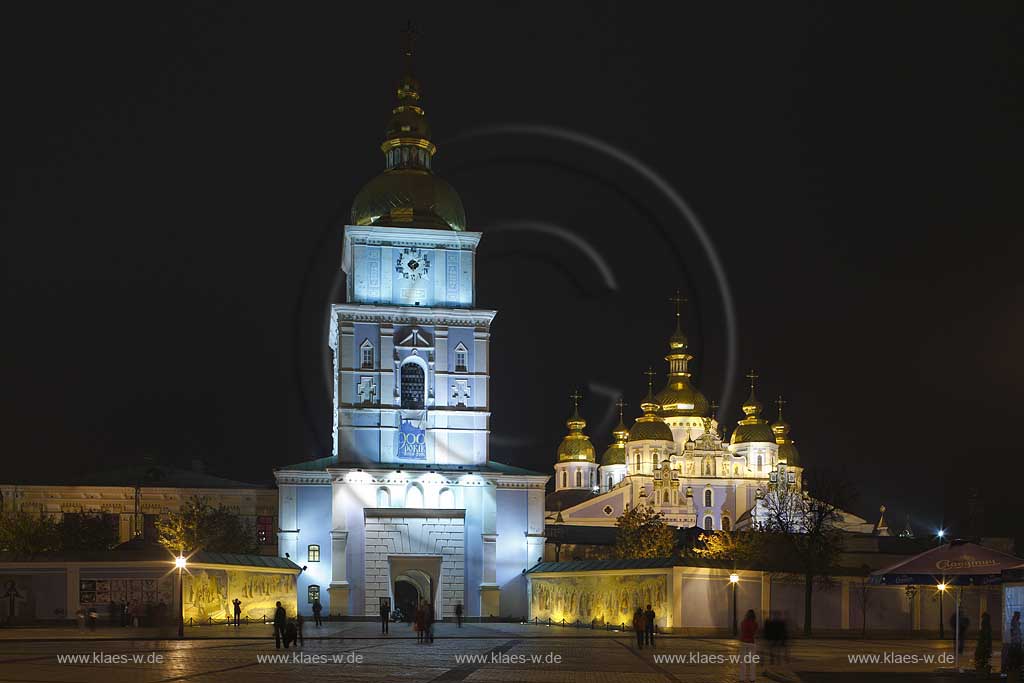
674,459
409,505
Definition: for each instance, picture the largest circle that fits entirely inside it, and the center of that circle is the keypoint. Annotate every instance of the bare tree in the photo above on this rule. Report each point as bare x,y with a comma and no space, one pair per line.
806,522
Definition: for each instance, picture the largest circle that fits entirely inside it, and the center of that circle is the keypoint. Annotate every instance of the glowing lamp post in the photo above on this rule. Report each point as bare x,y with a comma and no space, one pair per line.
180,562
942,593
734,581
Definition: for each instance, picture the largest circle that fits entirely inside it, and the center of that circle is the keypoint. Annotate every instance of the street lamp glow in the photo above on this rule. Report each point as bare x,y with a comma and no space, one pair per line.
179,562
734,578
941,533
942,587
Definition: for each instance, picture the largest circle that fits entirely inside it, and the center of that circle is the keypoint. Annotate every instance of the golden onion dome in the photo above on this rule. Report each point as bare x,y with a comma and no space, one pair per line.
407,193
680,398
787,447
650,426
615,454
752,428
576,445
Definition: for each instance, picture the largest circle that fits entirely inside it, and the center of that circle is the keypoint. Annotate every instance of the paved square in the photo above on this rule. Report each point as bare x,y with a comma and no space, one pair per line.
478,652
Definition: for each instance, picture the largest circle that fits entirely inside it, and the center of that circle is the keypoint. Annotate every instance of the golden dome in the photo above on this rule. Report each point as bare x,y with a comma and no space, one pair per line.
576,445
787,447
650,426
615,454
752,428
407,193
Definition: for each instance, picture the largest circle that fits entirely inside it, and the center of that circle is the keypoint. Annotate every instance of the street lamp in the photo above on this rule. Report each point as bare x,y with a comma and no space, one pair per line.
942,593
180,562
940,534
734,581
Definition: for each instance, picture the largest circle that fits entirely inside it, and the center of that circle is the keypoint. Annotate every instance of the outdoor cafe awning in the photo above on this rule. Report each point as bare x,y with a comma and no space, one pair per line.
957,563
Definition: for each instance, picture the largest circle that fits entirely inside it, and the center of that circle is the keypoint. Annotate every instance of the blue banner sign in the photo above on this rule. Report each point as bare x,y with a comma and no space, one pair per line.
412,442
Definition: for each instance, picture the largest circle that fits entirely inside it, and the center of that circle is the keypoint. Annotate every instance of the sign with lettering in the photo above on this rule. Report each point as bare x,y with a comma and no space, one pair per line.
412,442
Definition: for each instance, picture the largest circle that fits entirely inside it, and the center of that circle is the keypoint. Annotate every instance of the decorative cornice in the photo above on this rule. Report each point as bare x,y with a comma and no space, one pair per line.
382,313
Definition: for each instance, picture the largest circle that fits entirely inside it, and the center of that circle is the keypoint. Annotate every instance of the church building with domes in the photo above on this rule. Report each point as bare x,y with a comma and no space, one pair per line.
409,507
675,459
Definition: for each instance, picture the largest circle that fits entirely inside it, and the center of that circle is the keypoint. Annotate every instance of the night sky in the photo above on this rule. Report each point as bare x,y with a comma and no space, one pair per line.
179,177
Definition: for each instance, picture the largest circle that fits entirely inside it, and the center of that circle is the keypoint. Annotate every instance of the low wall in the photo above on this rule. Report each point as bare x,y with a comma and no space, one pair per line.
700,600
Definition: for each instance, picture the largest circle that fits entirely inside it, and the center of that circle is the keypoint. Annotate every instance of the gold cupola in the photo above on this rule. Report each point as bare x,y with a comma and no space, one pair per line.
615,454
680,398
787,447
407,193
650,426
576,446
752,428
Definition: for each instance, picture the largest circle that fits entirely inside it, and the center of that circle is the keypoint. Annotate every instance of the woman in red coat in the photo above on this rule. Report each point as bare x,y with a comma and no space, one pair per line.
748,652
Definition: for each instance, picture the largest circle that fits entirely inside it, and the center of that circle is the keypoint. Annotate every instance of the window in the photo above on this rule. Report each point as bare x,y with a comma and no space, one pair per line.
312,593
461,355
565,479
726,524
414,497
366,355
446,499
707,498
593,477
609,482
760,463
579,479
313,553
709,523
265,530
383,497
412,386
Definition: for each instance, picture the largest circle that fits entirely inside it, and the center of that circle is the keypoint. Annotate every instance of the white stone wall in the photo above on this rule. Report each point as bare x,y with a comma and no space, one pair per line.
442,537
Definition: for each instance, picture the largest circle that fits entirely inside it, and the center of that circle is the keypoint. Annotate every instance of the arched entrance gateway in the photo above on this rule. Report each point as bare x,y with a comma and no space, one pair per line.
415,578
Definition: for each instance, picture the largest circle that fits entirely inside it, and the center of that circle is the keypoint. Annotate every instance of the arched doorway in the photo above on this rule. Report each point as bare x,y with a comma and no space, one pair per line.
406,599
412,386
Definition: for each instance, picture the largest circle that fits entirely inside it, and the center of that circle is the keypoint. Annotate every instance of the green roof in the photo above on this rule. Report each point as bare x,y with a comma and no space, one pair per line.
494,467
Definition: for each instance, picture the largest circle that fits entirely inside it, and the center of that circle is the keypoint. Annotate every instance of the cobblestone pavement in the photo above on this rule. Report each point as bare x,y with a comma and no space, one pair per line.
478,652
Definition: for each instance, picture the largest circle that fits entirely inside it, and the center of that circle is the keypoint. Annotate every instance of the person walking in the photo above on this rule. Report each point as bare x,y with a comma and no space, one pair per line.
748,651
428,622
1013,650
418,621
317,609
649,621
639,627
237,604
280,624
458,615
385,616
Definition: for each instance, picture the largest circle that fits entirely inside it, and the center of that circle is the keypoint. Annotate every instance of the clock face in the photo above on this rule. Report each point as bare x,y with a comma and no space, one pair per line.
412,263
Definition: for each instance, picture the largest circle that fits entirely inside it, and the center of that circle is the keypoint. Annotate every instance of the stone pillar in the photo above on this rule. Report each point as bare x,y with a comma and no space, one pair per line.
71,597
675,596
916,607
489,590
766,595
844,603
340,587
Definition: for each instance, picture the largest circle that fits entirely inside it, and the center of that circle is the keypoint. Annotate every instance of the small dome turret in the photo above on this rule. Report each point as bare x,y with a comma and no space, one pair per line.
576,445
650,426
752,428
787,447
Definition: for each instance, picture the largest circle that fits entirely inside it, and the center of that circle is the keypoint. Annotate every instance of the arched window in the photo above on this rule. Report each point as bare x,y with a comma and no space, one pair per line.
726,524
312,593
461,356
760,463
707,498
709,523
412,386
666,499
609,482
565,479
446,499
366,355
579,479
312,553
414,496
383,497
593,478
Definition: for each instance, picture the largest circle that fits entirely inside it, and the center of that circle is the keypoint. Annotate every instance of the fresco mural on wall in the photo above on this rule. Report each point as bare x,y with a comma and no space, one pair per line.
608,599
208,593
